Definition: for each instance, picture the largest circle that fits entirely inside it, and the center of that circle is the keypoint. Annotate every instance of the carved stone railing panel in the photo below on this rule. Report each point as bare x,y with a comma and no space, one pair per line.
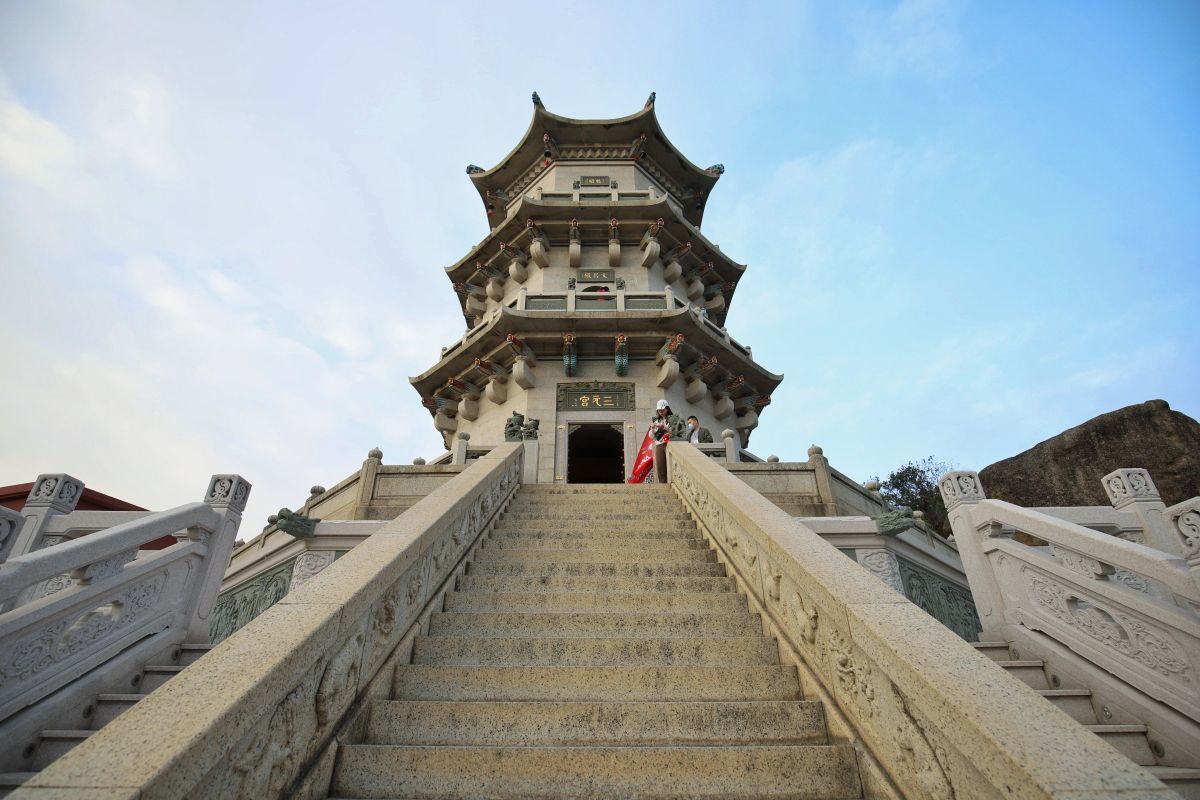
1125,608
258,715
932,717
114,595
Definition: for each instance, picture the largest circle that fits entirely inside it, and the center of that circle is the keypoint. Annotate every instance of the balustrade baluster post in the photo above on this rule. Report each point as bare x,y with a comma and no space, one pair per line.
50,495
962,491
1133,490
227,494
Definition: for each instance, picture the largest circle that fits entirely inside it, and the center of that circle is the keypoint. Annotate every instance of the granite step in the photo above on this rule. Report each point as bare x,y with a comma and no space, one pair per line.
587,625
517,541
828,772
155,676
565,602
110,706
1184,781
1031,673
54,744
597,528
996,651
11,781
191,653
665,569
428,722
614,555
592,584
593,684
708,651
624,489
566,516
1077,703
1128,740
554,534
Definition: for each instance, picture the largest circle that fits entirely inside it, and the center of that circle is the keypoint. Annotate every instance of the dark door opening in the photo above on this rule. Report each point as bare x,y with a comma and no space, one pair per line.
595,454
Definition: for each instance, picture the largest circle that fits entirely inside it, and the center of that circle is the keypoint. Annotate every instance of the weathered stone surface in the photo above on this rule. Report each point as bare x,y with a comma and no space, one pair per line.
1066,470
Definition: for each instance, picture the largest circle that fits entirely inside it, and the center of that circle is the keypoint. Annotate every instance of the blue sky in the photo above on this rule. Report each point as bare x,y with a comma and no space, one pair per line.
222,228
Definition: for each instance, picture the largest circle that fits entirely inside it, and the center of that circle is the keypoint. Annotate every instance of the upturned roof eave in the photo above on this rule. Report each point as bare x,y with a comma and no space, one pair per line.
529,149
528,207
509,320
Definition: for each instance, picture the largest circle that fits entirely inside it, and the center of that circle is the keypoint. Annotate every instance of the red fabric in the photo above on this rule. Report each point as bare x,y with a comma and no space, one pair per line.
645,457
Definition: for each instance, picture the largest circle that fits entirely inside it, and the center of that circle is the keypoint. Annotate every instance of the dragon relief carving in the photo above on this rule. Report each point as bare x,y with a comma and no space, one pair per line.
926,760
340,680
853,679
809,619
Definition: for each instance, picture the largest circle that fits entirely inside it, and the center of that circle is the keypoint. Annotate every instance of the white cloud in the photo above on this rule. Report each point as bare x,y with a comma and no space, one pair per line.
32,148
920,36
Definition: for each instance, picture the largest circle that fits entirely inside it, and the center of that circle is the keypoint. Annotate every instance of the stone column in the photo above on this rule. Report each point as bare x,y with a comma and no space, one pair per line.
366,482
459,456
824,479
962,491
733,447
529,463
1133,490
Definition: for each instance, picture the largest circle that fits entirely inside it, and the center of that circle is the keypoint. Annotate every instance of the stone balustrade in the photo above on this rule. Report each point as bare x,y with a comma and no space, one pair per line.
114,599
257,716
1118,616
930,716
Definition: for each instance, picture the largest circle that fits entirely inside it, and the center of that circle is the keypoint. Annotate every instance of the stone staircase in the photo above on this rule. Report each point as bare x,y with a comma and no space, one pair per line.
103,708
1129,740
594,648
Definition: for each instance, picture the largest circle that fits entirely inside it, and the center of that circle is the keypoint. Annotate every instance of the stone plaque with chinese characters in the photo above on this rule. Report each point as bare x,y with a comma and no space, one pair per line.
595,396
593,180
597,276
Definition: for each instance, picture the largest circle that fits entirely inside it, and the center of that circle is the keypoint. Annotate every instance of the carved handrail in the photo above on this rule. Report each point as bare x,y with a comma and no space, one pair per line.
262,709
1095,604
115,600
80,555
1084,550
928,711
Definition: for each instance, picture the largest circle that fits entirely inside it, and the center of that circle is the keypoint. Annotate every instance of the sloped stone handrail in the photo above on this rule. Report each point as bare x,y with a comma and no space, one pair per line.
116,596
1087,545
929,715
80,554
1127,609
257,715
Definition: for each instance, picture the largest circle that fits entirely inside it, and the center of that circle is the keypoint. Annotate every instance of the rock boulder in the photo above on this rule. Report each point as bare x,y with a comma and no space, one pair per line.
1066,469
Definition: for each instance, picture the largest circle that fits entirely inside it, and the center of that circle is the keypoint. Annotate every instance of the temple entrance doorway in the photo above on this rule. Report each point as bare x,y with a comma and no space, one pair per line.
595,453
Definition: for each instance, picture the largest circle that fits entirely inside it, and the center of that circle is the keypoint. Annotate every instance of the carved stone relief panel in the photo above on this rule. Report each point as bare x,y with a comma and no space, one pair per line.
308,564
242,603
947,602
883,565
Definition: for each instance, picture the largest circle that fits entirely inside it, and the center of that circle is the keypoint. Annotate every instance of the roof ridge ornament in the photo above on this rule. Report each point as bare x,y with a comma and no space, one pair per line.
716,169
473,169
650,100
537,101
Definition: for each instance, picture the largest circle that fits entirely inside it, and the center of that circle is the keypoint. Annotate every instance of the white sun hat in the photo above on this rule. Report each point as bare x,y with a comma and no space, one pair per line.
661,405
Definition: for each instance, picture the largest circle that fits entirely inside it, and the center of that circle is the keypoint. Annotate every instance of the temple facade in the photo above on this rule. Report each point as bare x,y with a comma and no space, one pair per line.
593,296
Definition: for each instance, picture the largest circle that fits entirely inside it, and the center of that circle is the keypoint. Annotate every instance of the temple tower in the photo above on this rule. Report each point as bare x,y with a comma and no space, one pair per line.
593,296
